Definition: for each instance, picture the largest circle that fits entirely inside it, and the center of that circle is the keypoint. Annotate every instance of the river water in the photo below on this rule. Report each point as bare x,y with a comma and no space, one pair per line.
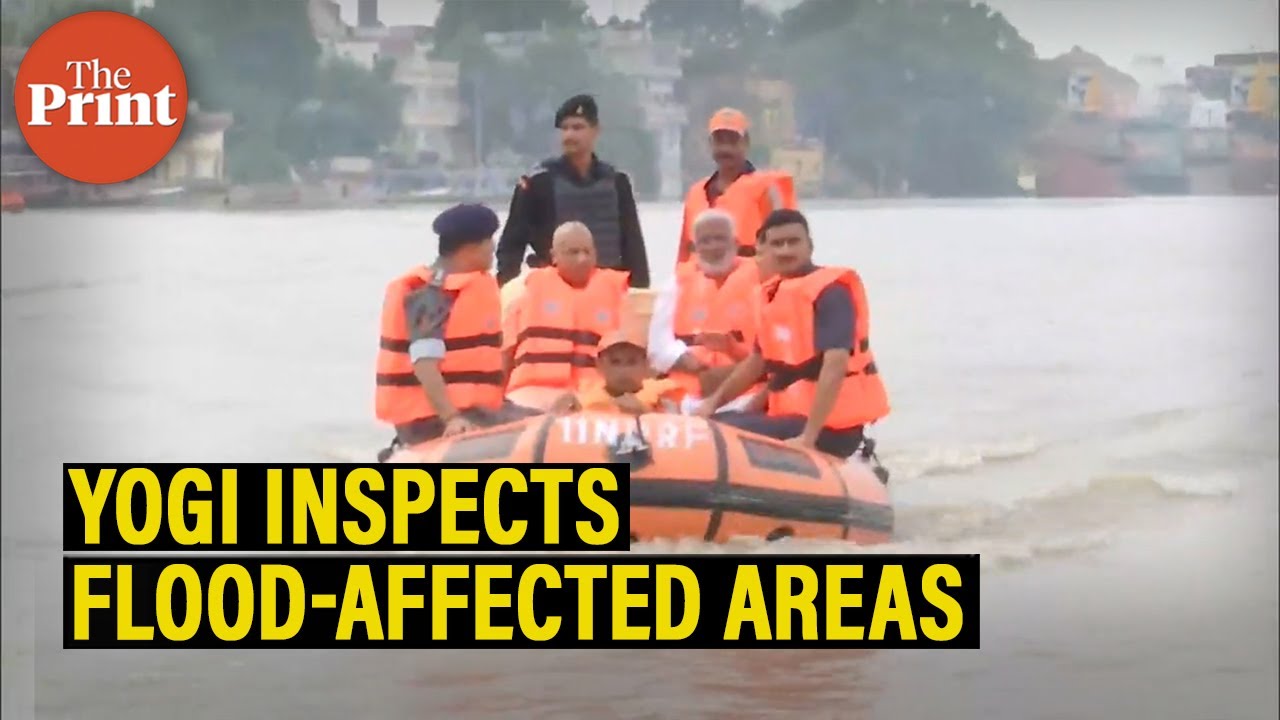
1084,392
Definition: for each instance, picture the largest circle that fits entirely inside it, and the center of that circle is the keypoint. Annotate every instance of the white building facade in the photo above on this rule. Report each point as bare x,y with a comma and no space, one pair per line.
432,110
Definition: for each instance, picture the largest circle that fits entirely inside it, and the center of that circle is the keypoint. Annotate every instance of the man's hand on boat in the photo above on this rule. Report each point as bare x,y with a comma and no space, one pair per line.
804,441
566,403
457,425
706,408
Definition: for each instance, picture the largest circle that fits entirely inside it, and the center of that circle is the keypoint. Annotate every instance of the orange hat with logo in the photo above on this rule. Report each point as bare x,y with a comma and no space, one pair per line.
620,337
729,119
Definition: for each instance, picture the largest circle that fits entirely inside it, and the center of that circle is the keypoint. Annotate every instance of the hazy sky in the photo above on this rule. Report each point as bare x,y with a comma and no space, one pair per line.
1186,32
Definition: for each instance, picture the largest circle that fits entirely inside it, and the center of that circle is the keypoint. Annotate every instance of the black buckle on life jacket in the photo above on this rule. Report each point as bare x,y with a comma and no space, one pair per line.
868,454
632,448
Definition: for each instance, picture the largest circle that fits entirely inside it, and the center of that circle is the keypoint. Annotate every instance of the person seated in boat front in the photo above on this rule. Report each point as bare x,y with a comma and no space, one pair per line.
439,369
704,319
552,330
624,383
813,340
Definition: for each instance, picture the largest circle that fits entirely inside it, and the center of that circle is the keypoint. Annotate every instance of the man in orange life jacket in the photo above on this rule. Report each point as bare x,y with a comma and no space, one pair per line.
736,186
440,363
703,320
813,345
551,333
625,384
575,186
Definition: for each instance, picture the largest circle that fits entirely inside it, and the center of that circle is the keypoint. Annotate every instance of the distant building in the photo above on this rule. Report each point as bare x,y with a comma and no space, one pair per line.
1255,106
513,45
367,14
1090,86
361,45
432,110
199,156
806,163
776,126
1213,83
326,22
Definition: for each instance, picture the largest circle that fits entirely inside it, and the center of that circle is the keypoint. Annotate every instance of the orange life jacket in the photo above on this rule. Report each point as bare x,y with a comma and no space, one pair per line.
728,308
786,338
472,363
747,199
559,326
655,394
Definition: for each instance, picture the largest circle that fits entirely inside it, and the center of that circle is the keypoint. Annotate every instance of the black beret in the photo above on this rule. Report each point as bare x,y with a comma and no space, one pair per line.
463,225
583,106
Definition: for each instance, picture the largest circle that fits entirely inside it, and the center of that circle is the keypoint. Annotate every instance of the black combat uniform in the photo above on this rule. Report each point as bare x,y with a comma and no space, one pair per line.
554,194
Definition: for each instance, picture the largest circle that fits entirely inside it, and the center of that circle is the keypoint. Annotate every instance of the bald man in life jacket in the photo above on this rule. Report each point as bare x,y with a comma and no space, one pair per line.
552,331
737,187
703,320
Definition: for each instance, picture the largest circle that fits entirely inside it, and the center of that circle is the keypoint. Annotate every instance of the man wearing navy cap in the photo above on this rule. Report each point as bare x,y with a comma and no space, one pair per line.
575,186
440,369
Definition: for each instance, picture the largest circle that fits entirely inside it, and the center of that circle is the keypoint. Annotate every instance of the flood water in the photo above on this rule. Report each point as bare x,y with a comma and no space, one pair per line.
1084,392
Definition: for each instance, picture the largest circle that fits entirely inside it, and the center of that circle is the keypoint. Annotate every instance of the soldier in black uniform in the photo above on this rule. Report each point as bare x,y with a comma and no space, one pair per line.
574,186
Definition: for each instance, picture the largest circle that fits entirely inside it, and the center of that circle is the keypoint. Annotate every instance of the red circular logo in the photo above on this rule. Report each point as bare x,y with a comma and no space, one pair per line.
101,97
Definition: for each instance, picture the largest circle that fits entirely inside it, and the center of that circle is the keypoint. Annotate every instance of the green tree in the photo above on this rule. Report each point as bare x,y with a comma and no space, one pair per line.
724,36
492,89
256,60
515,101
730,42
508,15
487,86
561,67
352,112
259,61
938,94
23,28
695,21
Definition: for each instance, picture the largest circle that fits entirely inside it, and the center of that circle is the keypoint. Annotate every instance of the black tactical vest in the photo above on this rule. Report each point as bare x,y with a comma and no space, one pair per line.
596,206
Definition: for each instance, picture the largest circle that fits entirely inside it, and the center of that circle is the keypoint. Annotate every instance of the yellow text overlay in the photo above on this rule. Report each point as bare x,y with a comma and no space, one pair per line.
550,601
345,507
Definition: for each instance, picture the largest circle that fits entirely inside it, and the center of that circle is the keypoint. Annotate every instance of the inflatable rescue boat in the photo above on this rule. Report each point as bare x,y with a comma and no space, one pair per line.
692,478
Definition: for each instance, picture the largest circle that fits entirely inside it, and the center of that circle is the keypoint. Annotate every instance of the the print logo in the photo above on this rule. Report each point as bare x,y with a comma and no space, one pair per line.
101,97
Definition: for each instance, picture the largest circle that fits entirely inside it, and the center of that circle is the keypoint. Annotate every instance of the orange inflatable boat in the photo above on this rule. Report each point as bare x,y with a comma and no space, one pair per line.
694,478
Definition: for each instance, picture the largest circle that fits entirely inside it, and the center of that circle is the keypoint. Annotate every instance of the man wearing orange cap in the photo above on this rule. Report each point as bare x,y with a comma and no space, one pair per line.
624,383
736,186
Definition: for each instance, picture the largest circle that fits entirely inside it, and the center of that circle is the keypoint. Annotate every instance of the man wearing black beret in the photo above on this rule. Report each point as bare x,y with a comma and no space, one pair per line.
575,186
440,367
